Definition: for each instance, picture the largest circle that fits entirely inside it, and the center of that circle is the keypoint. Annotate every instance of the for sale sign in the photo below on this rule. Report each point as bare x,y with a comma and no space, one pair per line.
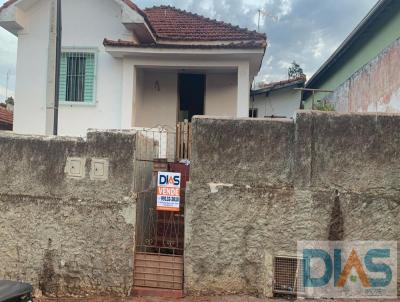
168,191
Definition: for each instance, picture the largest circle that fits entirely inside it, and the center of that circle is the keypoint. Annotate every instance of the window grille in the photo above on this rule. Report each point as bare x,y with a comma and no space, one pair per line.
77,77
253,112
288,275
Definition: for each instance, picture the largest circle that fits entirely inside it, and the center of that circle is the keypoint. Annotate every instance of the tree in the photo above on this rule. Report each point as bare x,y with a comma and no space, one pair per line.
10,101
295,71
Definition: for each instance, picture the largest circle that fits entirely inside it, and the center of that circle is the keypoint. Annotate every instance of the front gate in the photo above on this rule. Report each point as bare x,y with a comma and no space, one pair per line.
158,262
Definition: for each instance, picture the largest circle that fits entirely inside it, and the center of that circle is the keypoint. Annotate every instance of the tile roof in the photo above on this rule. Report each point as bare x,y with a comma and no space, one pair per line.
174,24
170,23
6,117
264,87
240,45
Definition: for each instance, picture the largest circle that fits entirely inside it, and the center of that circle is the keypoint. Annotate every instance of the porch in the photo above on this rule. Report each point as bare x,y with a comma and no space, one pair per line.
166,96
166,86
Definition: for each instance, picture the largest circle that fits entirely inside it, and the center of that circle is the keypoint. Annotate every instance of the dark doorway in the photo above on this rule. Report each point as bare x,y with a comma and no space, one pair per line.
191,96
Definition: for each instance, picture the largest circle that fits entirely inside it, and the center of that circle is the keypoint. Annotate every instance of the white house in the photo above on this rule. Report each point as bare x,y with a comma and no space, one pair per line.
123,67
277,99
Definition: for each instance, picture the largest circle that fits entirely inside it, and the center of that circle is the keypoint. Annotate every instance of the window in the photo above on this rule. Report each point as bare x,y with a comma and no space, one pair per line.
253,112
77,77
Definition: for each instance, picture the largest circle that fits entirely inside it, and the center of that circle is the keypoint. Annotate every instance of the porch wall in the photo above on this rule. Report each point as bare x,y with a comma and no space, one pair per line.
157,97
221,94
156,100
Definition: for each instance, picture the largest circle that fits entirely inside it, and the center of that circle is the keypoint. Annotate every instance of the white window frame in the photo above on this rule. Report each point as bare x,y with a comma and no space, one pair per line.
91,50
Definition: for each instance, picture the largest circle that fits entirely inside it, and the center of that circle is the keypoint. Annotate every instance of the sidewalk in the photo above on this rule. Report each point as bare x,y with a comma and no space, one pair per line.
201,299
159,299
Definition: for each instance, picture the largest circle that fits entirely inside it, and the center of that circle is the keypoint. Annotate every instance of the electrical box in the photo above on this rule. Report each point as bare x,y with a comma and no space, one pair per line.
75,167
99,169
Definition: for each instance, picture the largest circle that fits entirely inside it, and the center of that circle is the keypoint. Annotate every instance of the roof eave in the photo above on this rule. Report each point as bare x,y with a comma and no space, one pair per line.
299,83
351,38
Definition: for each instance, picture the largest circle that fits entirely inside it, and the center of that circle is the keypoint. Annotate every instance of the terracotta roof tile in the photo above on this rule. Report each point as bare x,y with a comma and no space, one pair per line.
174,24
6,116
265,87
240,45
170,23
282,83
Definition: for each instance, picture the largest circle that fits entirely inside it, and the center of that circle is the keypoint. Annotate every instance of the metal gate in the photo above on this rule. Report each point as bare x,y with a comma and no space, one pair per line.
159,234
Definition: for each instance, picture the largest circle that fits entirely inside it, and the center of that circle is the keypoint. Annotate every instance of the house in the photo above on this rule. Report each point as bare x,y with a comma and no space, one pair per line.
277,99
6,119
362,74
124,67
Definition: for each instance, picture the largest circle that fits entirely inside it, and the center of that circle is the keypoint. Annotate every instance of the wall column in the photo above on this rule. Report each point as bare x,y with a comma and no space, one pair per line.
128,92
243,93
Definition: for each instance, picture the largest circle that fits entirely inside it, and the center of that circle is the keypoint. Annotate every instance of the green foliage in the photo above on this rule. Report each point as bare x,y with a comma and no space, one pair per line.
10,101
295,71
324,106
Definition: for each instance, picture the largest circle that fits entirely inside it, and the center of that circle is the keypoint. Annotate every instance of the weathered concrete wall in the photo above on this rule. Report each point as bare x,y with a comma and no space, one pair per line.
69,237
373,88
259,186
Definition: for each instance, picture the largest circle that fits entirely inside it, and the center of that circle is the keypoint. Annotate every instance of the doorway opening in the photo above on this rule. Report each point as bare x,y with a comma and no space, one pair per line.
191,96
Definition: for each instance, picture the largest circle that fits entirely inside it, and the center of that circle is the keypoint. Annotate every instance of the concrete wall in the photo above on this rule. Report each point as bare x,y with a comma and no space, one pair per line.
258,186
283,103
68,237
373,88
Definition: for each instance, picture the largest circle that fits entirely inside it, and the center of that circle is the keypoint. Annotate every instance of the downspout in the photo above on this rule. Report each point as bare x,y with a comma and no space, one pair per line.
57,67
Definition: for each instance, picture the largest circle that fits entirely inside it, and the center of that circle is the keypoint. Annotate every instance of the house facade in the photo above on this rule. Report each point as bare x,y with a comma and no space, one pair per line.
362,74
123,67
277,99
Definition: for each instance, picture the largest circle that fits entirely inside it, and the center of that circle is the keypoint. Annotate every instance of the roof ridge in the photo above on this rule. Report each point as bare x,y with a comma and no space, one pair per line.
215,21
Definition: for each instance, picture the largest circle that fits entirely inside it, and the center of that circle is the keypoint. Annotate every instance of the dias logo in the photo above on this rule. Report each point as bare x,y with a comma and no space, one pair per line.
349,269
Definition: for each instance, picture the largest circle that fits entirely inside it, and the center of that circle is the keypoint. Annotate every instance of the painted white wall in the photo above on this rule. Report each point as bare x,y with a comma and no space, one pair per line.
85,25
117,91
282,102
157,105
221,94
31,82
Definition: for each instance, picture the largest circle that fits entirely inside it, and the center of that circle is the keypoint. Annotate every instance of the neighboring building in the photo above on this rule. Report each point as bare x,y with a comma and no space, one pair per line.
364,71
124,67
6,119
277,99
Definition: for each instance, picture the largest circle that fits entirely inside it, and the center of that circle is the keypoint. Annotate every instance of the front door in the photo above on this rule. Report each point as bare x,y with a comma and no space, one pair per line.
191,95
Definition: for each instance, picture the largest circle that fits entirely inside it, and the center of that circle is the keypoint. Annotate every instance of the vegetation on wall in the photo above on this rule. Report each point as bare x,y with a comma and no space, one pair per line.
324,106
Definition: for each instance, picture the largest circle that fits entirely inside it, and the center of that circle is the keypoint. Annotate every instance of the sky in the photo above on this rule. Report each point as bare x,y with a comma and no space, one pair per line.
305,31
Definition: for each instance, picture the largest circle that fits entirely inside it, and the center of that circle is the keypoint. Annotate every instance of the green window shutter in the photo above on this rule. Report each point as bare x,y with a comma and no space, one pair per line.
89,78
63,77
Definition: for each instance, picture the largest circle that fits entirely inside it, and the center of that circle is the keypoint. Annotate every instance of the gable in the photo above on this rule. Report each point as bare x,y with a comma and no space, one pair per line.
166,24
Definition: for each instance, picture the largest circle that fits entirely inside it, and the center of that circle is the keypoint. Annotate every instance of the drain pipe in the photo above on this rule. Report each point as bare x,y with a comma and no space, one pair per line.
57,69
